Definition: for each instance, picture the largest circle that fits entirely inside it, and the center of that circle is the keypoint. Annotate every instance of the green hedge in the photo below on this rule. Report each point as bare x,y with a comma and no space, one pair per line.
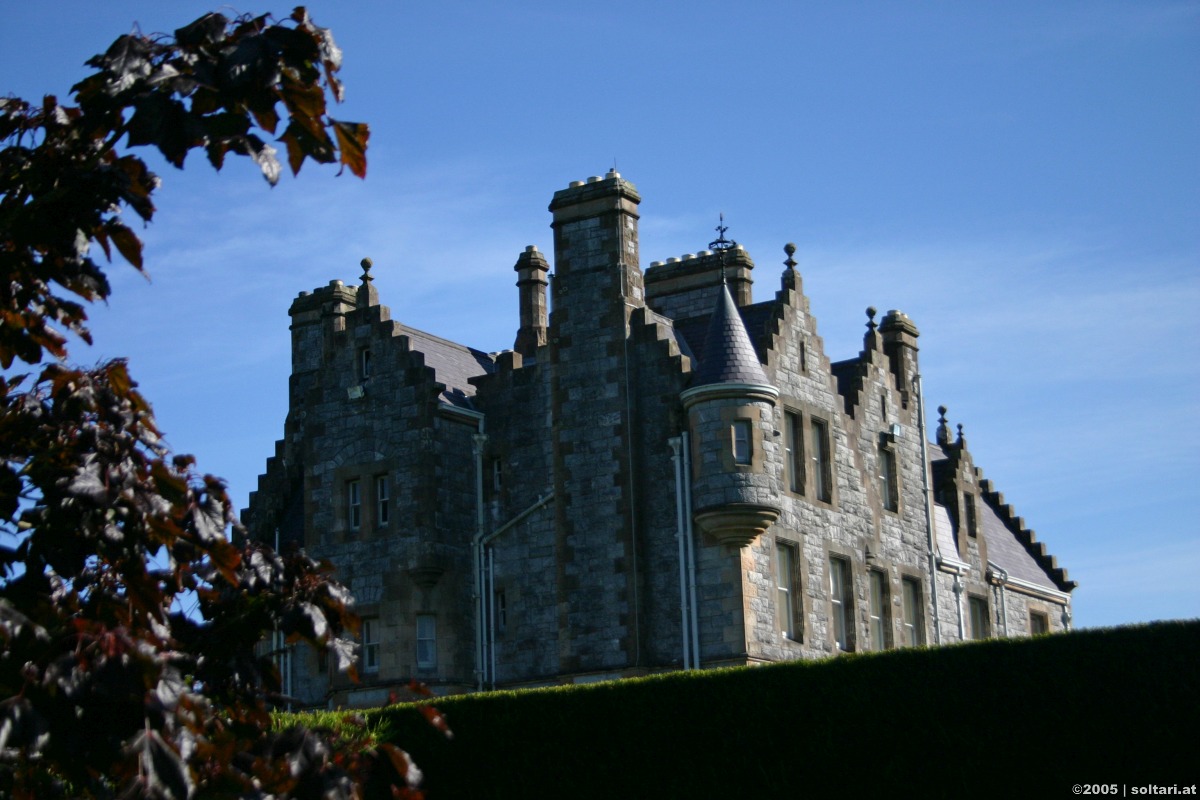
1091,707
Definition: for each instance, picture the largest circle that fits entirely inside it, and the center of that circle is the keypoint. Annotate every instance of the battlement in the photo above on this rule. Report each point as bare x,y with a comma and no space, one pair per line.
686,286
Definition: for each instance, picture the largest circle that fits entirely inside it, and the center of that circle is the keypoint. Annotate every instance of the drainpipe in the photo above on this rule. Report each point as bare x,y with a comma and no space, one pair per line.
689,538
937,633
685,615
491,604
958,602
478,442
283,652
487,571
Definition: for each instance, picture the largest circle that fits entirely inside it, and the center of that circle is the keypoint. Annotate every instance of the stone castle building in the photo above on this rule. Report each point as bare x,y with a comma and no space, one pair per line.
661,473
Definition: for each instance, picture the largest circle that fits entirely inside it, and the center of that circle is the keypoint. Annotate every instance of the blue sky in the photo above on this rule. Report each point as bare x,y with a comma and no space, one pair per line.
1021,178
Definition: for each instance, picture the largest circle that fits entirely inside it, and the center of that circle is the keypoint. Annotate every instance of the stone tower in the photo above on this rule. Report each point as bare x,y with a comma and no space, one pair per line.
597,284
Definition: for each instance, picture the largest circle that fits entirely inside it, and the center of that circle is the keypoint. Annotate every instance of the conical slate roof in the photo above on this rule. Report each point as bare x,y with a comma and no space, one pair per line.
729,357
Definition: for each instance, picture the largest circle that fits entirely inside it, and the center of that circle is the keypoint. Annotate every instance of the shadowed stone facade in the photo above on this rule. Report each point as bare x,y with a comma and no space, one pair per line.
661,474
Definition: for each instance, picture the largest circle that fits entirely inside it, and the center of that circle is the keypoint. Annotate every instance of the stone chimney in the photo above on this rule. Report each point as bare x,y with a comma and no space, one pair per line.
532,269
900,344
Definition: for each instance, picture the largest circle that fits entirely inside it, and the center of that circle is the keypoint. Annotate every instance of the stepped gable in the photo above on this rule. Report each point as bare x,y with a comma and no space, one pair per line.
1010,545
1006,552
848,375
728,355
1020,544
453,364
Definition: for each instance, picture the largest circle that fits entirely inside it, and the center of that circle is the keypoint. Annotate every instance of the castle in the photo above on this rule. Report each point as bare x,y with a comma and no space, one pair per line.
660,474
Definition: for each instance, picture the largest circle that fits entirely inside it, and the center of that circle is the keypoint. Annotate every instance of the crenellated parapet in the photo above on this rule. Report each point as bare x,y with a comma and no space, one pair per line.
688,285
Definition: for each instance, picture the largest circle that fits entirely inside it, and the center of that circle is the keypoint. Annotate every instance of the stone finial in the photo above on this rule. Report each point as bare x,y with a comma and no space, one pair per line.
943,430
790,249
368,295
871,312
962,440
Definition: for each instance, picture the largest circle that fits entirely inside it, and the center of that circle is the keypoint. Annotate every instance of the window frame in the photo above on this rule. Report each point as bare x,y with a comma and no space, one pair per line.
793,444
742,433
1044,623
841,602
788,604
426,634
977,612
912,606
369,639
499,613
354,504
889,483
822,460
364,363
383,509
880,612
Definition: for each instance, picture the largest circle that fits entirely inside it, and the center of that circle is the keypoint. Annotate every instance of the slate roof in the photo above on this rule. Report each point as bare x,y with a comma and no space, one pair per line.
726,355
943,533
453,364
1007,552
1003,548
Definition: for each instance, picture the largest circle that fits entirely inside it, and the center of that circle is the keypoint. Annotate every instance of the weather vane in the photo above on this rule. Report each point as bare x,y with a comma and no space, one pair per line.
722,245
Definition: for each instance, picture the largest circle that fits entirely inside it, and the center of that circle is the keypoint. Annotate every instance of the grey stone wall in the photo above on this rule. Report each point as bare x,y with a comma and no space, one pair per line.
580,485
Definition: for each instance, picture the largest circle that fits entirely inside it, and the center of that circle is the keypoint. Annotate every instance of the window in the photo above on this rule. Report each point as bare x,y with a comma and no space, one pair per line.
426,641
889,492
841,599
803,357
880,616
1039,623
969,514
822,478
364,363
354,504
497,476
370,644
500,610
741,441
793,444
914,618
787,600
382,507
980,629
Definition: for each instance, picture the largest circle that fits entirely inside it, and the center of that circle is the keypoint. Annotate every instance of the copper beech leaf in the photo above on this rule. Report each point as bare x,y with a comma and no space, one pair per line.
94,637
352,142
129,245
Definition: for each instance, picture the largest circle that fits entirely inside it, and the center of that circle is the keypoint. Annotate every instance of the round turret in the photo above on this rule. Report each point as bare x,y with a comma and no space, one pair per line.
730,409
